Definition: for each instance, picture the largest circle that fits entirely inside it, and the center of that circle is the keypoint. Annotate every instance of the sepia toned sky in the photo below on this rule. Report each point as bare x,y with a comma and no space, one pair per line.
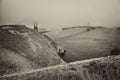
61,13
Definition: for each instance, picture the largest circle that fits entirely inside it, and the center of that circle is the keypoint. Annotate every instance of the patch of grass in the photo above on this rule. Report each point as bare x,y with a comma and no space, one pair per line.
26,45
106,68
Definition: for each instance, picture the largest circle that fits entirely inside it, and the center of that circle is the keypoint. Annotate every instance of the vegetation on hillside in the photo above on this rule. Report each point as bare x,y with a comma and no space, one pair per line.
105,68
26,45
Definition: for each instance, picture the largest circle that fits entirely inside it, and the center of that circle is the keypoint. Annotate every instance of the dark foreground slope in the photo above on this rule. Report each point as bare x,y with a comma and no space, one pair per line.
105,68
23,49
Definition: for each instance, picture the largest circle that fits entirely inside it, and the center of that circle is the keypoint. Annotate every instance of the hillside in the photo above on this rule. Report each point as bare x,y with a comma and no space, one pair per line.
23,49
104,68
86,44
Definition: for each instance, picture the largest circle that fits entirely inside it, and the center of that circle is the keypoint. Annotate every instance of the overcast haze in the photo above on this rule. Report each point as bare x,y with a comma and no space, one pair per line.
61,13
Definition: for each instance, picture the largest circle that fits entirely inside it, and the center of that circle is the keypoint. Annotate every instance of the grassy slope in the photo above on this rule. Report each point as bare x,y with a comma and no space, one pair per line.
105,68
22,47
11,62
87,44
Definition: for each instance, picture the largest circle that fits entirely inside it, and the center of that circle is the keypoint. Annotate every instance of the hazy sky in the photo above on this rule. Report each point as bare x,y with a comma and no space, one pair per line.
60,13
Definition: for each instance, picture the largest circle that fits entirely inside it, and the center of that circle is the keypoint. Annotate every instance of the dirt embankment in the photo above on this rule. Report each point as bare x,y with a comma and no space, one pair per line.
105,68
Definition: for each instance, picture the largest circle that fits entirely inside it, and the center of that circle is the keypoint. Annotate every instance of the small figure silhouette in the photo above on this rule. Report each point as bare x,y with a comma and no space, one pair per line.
35,26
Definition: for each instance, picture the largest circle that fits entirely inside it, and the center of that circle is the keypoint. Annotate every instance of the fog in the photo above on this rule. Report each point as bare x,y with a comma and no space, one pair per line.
61,13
